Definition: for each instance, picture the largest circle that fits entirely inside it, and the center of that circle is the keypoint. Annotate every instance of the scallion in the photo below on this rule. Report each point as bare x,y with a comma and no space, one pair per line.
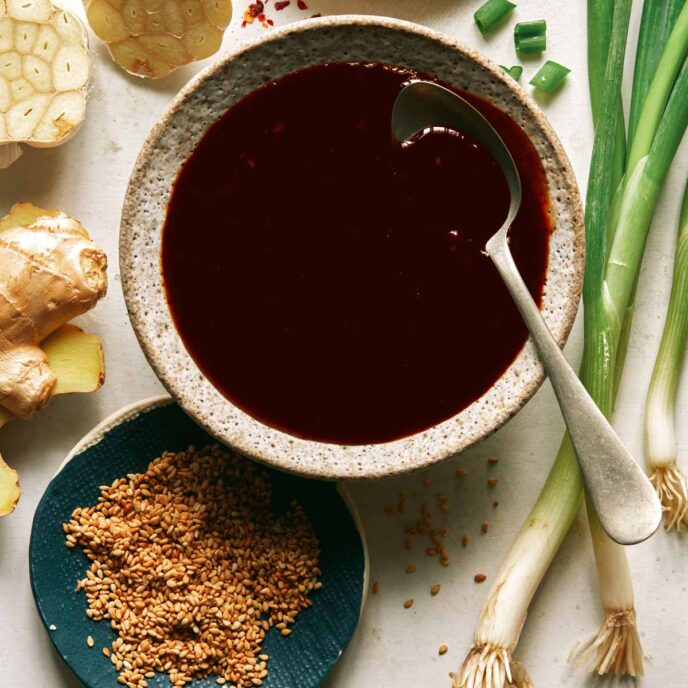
514,72
550,77
660,432
611,276
530,37
492,14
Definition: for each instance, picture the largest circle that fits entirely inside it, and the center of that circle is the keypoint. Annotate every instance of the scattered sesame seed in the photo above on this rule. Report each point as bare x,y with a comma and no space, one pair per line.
485,527
435,589
442,650
431,551
461,472
408,604
106,651
89,641
52,627
464,540
492,459
479,577
376,588
411,568
492,481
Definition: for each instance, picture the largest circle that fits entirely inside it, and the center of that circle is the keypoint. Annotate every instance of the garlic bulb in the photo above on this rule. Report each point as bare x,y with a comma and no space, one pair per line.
151,38
44,73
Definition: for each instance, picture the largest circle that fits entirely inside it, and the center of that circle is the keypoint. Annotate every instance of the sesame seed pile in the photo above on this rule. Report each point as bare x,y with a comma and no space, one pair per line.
192,568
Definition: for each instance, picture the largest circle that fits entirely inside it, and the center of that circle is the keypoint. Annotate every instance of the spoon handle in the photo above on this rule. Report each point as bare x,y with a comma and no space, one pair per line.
623,497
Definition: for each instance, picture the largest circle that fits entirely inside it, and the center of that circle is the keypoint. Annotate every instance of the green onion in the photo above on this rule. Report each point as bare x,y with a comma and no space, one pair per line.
489,661
550,77
659,17
492,14
514,72
660,432
658,21
531,37
611,274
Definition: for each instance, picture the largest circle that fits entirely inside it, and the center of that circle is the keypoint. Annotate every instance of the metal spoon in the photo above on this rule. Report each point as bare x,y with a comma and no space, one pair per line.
624,499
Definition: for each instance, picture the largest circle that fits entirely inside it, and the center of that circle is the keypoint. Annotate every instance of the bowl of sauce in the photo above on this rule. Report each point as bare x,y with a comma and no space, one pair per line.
318,296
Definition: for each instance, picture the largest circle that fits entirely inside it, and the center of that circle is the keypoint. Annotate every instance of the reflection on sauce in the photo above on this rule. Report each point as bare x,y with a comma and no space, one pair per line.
334,285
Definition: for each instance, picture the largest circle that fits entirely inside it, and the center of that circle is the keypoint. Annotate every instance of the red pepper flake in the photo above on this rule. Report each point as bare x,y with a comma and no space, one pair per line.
301,5
282,4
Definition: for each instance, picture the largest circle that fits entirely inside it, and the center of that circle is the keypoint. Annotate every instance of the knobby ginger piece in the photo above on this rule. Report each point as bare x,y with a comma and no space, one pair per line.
44,74
151,38
76,359
9,488
51,272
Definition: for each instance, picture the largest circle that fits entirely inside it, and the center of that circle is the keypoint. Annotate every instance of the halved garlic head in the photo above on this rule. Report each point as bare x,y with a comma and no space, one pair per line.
44,73
151,38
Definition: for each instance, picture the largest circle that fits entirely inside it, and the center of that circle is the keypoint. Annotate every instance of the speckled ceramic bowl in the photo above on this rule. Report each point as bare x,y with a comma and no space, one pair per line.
208,96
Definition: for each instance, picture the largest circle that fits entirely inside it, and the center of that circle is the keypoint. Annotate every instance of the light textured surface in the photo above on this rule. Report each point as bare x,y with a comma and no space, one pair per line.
393,646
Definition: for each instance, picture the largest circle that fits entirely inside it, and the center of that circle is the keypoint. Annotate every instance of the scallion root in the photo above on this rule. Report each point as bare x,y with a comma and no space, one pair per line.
616,648
671,487
487,666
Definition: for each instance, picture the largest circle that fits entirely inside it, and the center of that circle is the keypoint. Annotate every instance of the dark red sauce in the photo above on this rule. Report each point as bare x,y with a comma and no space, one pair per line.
333,285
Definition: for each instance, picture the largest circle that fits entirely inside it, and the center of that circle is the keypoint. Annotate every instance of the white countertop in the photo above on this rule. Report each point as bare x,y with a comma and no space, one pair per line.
393,646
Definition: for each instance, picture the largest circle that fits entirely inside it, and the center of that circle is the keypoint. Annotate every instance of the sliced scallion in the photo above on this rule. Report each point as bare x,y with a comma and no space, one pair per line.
530,37
514,72
492,14
550,76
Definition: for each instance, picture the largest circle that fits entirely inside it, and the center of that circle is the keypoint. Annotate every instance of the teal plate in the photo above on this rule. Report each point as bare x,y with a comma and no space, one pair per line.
126,443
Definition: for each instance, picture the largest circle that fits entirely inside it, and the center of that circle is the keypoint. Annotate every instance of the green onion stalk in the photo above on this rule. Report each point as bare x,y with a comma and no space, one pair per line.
660,432
661,124
616,236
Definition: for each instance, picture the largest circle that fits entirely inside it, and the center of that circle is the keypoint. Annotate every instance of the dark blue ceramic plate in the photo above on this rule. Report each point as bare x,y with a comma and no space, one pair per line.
126,443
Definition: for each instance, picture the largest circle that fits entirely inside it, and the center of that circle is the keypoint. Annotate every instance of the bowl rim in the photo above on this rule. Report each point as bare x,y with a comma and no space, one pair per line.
333,461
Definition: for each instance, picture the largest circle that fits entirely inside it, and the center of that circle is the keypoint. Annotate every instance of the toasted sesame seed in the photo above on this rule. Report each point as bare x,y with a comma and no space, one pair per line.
376,588
464,540
89,641
172,587
461,472
492,481
492,459
435,589
485,527
479,577
411,568
442,650
408,603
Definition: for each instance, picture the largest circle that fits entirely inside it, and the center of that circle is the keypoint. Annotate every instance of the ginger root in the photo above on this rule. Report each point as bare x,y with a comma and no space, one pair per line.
51,272
9,488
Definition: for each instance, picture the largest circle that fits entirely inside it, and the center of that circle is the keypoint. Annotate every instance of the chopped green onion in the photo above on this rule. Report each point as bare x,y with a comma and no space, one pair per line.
492,13
550,77
514,72
531,37
660,422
